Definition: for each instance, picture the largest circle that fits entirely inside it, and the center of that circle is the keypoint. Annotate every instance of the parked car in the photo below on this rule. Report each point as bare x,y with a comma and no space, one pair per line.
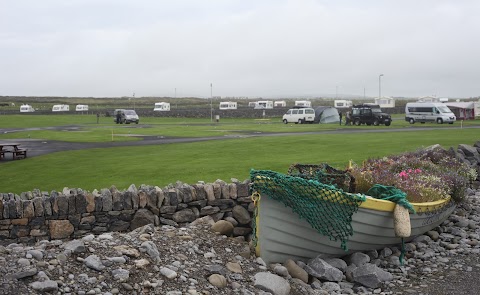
121,116
369,114
300,116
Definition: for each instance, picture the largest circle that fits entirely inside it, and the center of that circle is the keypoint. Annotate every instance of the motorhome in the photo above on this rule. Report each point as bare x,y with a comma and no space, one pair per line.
228,105
162,107
303,103
299,115
81,108
26,108
428,112
264,104
61,108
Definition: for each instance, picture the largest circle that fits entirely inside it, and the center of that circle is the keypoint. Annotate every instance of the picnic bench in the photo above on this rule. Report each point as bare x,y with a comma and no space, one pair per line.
14,149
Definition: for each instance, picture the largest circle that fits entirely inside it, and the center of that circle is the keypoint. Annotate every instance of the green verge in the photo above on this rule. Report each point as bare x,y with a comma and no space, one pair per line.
207,161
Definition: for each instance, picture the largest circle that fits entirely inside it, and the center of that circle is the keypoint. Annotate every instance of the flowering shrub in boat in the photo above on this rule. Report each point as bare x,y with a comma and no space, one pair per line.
425,175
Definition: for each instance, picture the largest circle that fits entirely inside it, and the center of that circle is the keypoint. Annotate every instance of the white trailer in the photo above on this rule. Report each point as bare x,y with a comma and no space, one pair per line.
162,107
303,103
61,108
26,108
228,105
342,103
264,104
81,108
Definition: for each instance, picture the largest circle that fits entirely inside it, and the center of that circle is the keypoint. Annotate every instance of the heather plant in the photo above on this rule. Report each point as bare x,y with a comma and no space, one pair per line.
425,175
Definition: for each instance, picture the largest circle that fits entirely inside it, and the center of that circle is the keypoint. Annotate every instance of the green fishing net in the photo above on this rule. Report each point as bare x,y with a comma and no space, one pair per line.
325,207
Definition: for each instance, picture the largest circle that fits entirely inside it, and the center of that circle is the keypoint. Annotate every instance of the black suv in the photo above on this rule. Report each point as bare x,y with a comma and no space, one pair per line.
369,114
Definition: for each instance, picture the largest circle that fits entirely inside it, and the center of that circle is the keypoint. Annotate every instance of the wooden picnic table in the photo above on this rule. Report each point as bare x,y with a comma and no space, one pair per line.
14,149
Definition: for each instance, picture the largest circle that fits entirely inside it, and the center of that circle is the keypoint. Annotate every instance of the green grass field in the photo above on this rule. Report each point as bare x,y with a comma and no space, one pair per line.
207,161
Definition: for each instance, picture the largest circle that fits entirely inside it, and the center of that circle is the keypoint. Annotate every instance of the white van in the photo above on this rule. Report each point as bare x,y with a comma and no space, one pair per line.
300,116
428,112
26,108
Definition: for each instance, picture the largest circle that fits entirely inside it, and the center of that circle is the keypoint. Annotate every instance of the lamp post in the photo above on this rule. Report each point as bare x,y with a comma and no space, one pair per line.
134,100
211,103
380,86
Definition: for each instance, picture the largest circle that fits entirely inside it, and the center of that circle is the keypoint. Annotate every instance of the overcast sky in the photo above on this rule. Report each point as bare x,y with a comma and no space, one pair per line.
263,48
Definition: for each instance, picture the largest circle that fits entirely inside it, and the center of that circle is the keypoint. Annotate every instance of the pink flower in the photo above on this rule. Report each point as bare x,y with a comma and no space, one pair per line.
403,175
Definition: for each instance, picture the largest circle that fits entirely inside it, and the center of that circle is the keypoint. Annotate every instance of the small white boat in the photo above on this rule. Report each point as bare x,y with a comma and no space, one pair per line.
281,233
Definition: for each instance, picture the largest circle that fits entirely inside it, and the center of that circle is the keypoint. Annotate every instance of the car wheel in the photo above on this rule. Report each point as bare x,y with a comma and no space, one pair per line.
387,124
357,122
285,121
439,121
411,121
136,122
375,122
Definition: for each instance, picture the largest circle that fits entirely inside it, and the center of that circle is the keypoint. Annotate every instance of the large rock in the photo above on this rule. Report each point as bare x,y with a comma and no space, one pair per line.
358,258
370,275
296,271
60,229
241,214
75,246
142,217
94,262
272,283
223,227
318,268
185,215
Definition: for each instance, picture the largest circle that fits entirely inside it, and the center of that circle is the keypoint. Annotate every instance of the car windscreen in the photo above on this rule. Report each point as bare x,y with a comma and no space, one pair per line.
444,109
131,113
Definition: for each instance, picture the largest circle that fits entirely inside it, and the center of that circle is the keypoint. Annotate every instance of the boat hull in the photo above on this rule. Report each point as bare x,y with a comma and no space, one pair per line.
282,235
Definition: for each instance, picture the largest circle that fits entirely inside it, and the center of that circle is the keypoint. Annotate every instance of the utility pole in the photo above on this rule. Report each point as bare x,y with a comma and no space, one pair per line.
211,102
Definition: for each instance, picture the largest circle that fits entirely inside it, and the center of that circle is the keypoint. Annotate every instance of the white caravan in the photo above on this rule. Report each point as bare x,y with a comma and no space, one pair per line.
26,108
263,104
61,108
228,105
280,103
428,112
81,108
342,103
300,116
162,106
303,103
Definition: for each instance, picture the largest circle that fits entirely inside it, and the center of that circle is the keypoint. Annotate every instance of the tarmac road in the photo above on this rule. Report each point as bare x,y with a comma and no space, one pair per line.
38,147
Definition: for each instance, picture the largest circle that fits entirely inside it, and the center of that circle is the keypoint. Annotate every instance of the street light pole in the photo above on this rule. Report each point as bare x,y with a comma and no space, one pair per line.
211,103
380,86
134,101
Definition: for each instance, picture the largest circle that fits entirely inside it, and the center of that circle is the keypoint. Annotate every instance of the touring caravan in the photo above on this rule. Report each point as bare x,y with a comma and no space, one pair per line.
342,103
280,103
26,108
162,106
81,108
61,108
228,105
303,103
264,104
428,112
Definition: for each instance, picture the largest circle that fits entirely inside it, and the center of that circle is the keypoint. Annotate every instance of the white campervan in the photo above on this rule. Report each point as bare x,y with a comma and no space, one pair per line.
61,108
162,107
300,116
26,108
428,112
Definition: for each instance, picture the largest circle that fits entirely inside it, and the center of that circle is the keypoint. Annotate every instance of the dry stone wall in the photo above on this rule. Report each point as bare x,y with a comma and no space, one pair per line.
73,213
